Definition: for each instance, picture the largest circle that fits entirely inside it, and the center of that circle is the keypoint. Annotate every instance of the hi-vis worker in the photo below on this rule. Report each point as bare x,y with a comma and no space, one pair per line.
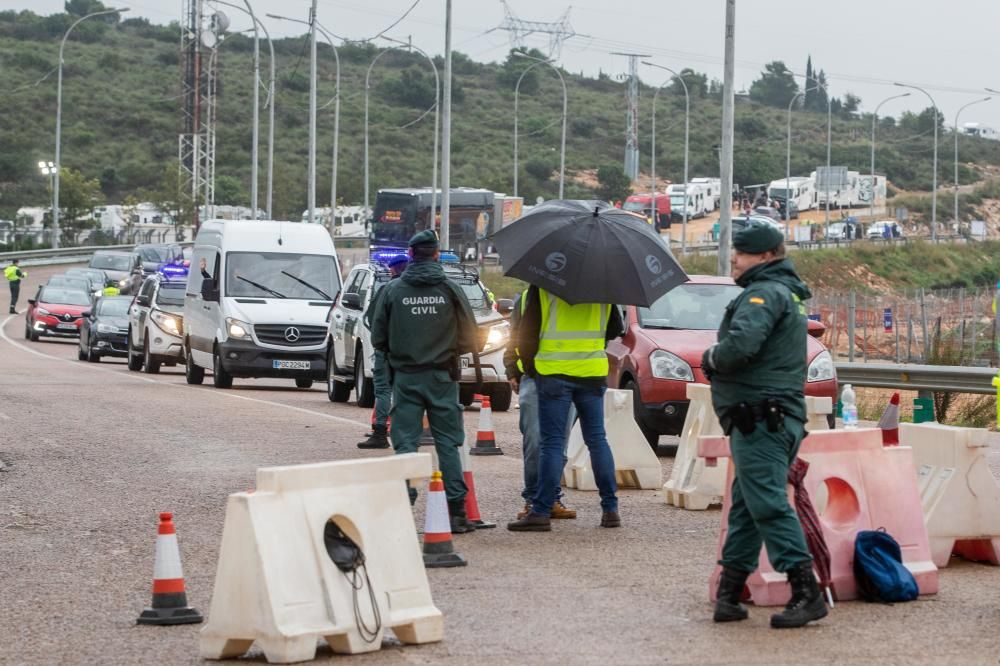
424,323
14,275
562,346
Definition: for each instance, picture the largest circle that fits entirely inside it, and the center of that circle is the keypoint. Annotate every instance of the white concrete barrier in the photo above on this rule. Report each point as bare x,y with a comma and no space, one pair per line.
276,584
958,493
692,484
636,465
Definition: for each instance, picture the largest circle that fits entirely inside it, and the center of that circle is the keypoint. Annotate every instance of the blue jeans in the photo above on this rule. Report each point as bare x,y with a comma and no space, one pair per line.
555,397
527,398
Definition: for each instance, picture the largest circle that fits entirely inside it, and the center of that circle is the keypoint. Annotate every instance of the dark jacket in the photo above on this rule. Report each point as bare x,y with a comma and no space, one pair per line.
761,351
510,354
423,321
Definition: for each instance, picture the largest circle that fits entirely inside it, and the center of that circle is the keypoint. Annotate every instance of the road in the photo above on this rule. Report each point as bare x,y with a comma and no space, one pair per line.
93,453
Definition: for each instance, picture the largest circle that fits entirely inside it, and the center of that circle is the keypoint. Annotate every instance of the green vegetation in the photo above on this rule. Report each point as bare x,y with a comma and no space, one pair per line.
121,117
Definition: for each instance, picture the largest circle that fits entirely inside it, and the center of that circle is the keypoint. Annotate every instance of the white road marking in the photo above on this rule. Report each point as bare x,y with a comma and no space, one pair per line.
224,394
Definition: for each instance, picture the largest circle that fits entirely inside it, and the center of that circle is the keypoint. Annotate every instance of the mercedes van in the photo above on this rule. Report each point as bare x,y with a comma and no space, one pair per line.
257,301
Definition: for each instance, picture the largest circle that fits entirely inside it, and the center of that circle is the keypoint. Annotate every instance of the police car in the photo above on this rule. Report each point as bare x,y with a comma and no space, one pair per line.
350,355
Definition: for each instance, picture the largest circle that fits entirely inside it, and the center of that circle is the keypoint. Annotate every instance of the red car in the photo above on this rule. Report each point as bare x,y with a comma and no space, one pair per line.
55,311
661,351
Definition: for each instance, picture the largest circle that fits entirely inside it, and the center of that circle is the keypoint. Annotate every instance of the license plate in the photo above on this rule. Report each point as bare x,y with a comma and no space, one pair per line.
465,363
70,327
291,365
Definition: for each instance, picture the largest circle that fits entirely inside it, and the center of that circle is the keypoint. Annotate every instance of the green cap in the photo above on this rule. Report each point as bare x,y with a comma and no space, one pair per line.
757,239
427,237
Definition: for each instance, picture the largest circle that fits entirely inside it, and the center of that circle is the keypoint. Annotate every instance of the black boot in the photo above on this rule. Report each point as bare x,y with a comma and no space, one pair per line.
806,603
459,523
727,599
377,440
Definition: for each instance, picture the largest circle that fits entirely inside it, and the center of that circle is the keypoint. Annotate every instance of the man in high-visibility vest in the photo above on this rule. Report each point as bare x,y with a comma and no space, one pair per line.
562,345
14,275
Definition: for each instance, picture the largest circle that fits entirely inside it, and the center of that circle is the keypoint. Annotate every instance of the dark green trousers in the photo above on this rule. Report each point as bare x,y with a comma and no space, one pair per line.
436,393
760,511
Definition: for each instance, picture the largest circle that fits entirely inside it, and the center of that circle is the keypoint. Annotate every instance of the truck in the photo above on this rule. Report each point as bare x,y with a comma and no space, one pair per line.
642,204
800,189
696,201
713,188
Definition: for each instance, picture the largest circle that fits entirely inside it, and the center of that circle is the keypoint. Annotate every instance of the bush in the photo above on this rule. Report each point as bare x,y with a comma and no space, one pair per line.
540,168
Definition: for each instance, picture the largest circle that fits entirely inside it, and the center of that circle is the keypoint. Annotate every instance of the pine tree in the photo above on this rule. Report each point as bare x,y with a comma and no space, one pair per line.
809,103
821,93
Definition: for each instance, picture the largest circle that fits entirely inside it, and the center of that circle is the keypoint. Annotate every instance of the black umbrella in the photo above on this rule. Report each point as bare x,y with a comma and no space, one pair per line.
589,252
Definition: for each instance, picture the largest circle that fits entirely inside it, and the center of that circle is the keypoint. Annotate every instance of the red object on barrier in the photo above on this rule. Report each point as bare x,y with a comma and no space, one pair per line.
889,423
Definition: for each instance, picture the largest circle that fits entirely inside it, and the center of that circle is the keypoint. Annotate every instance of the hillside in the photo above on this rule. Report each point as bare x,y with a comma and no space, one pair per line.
121,116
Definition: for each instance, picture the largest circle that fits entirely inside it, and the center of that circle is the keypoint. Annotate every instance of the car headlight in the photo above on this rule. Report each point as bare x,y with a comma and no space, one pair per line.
122,282
498,336
169,323
106,328
670,366
237,329
42,311
821,368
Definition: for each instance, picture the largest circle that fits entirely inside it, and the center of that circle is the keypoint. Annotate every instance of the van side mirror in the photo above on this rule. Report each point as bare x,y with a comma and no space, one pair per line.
210,290
351,300
31,301
505,306
143,300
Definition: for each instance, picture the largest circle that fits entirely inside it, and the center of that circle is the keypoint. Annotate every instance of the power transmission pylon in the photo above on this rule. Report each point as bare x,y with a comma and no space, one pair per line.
519,29
632,119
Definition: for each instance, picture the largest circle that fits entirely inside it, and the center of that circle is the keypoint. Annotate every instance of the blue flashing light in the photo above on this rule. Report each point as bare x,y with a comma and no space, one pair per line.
173,272
385,256
449,258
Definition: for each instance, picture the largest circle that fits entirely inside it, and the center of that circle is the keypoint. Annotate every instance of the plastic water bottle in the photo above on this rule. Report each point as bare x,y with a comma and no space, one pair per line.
849,406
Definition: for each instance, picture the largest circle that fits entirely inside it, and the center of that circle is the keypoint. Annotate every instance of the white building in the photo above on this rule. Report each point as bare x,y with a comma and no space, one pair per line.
980,130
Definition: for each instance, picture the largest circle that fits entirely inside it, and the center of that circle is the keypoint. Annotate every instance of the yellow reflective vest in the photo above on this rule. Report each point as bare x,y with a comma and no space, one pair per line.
571,340
13,273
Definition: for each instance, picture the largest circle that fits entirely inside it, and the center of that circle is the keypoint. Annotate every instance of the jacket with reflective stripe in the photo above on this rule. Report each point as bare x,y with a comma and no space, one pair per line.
572,337
13,273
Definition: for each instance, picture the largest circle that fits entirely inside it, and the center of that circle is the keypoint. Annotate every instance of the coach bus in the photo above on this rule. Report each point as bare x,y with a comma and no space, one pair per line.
400,213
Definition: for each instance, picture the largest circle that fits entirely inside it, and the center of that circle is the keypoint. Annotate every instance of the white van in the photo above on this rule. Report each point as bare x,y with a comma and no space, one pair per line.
258,297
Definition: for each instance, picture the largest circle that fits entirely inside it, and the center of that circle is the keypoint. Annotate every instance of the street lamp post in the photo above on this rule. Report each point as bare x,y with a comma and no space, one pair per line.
517,92
687,134
957,114
562,146
935,163
788,159
58,163
49,169
871,213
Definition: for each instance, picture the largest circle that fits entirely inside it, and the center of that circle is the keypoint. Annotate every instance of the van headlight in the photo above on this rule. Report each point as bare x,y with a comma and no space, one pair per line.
238,329
168,323
498,337
821,368
670,366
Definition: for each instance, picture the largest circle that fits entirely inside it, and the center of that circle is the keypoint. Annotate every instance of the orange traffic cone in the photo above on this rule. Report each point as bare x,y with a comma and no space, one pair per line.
472,514
439,552
486,441
169,599
889,423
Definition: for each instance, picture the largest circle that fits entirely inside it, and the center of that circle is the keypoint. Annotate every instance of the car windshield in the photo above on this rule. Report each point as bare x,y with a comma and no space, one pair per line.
281,275
112,262
64,296
172,294
156,254
114,307
67,281
476,295
635,206
690,306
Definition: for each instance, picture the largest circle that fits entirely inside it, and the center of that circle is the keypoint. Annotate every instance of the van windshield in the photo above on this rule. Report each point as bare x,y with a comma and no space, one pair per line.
281,275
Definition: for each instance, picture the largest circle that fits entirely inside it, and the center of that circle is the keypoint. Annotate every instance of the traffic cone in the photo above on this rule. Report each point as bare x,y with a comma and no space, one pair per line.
889,423
439,552
169,599
471,502
486,441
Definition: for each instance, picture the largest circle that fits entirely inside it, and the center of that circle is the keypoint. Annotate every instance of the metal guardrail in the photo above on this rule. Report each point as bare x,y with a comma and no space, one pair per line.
943,378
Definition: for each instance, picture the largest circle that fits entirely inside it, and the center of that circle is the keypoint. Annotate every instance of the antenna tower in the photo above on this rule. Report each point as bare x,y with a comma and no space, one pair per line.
558,31
632,118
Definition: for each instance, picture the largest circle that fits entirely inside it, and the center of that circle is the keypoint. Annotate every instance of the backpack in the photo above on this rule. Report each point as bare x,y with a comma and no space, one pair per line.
879,571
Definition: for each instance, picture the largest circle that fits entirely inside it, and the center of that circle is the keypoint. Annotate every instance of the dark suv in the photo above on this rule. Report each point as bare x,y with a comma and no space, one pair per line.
123,268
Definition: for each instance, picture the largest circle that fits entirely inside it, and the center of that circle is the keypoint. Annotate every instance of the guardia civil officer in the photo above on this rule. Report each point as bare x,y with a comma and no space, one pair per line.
758,370
379,438
14,275
423,323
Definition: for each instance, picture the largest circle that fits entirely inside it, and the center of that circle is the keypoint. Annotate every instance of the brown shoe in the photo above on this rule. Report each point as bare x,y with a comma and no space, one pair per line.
533,522
611,519
561,512
523,513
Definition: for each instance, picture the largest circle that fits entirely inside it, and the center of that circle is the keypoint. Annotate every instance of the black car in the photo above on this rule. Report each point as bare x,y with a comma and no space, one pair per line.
104,331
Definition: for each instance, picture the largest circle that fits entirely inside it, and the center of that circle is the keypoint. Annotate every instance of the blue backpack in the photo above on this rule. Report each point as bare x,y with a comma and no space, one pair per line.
879,571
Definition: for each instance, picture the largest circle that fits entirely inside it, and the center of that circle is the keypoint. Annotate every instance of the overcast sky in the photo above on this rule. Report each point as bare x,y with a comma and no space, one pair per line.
950,48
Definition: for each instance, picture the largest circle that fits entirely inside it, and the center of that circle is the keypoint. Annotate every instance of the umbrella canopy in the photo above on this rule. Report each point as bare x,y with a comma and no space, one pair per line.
589,252
810,522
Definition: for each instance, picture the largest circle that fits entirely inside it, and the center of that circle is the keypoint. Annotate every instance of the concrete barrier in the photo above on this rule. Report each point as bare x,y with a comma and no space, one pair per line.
276,584
959,495
636,465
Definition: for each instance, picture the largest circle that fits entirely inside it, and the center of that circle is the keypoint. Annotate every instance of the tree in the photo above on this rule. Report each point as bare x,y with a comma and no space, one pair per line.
229,191
514,66
822,94
809,99
697,84
850,105
613,183
77,197
84,7
775,87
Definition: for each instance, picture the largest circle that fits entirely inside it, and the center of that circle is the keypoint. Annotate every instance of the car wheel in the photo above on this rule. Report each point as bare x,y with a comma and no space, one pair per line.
335,391
80,354
651,435
92,356
134,360
220,378
194,374
500,397
27,331
148,364
303,382
364,389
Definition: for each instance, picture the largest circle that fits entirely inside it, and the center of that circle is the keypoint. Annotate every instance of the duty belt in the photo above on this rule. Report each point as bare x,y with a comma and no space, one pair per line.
744,416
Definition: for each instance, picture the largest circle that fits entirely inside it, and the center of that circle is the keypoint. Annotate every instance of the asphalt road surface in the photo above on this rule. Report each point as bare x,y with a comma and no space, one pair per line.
92,453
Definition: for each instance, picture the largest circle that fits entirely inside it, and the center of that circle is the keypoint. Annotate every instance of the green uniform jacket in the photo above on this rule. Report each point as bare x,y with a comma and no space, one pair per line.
423,321
761,351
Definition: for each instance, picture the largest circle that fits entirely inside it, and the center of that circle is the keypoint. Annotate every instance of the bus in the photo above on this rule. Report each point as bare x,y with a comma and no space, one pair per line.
400,213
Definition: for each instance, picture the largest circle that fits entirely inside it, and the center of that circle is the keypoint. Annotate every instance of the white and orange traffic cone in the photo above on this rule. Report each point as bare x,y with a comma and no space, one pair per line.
170,604
486,440
889,423
472,514
439,552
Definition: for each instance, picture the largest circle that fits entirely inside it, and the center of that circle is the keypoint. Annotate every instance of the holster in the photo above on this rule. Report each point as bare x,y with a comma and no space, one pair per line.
744,416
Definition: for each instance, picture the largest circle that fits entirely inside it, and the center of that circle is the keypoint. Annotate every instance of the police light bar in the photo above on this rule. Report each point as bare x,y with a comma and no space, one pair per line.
385,256
449,258
173,272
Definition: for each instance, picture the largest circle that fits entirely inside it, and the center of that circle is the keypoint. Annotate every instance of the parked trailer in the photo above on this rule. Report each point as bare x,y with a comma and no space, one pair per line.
803,191
696,202
713,189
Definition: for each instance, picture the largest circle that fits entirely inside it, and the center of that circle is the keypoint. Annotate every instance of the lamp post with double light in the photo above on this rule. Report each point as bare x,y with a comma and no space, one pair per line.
562,146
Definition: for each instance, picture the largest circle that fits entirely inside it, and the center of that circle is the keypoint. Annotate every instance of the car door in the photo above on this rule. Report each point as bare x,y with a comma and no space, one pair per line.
200,316
340,314
354,324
